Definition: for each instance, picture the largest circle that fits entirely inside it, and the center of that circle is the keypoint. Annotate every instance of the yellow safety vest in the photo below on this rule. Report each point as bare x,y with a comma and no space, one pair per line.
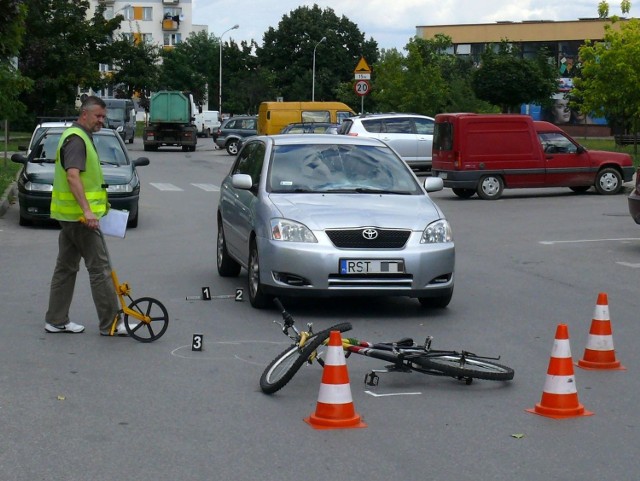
63,204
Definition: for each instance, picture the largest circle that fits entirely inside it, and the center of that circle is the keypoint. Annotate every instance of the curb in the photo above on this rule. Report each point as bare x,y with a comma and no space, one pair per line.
5,200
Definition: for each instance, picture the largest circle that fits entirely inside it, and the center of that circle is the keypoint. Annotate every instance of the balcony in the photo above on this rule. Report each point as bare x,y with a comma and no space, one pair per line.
170,2
169,24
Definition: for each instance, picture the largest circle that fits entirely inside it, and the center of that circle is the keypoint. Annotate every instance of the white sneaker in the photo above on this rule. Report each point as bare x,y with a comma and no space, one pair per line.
70,327
121,330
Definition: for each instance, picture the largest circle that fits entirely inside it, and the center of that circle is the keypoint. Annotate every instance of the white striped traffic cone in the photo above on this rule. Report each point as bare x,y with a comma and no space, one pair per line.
560,395
335,409
599,353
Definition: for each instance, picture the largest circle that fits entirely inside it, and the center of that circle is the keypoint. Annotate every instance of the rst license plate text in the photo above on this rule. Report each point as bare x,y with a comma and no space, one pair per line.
370,266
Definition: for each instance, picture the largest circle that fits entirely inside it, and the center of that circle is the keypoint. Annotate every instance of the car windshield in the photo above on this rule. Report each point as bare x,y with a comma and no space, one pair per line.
109,149
333,168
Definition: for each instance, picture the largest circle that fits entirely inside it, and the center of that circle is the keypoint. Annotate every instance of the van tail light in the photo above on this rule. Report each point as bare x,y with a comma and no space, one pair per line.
457,160
353,134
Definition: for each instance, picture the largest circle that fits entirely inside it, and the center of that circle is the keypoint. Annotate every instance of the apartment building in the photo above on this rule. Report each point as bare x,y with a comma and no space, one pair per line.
562,39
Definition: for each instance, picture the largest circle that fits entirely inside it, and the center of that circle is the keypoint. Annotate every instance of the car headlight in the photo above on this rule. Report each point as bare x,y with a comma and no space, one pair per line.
37,187
437,232
122,188
290,231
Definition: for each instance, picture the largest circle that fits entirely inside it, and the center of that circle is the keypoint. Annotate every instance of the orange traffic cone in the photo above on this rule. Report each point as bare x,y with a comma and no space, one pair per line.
335,409
599,353
560,396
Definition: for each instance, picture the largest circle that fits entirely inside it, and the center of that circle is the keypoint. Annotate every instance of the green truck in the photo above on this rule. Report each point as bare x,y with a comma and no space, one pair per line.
171,117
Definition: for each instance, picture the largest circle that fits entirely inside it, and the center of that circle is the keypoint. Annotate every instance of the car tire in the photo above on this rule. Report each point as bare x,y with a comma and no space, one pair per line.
257,297
608,181
490,187
131,140
133,222
464,193
227,267
23,221
439,302
232,147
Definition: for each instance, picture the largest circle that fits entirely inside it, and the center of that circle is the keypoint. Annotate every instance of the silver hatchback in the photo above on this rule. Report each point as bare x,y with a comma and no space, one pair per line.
332,215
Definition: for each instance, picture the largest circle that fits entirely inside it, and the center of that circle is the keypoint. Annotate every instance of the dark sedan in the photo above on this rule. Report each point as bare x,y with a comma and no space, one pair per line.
35,182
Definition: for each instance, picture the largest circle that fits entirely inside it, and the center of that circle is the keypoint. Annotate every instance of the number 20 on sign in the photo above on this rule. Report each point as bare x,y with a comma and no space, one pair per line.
362,87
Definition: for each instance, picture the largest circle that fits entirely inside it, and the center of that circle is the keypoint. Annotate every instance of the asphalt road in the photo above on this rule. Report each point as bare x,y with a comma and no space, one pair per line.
85,407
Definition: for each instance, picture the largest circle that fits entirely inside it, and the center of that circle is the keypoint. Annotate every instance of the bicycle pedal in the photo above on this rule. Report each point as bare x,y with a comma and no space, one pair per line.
371,379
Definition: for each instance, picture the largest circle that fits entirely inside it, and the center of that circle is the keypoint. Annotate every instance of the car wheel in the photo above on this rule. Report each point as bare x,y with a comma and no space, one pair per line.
207,133
227,267
232,147
439,302
257,297
131,140
23,221
133,222
608,181
464,193
581,188
490,187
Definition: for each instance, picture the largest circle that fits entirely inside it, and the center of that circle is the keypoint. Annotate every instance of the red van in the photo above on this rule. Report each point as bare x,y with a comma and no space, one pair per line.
485,154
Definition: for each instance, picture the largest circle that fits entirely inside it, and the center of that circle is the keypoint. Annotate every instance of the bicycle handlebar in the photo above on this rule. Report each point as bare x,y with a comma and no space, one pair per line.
286,317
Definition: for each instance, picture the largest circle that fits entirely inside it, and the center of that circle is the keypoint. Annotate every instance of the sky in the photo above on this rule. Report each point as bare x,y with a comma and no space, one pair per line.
390,23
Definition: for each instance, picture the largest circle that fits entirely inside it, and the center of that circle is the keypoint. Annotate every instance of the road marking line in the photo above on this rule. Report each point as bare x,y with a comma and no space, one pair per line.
166,187
394,394
629,264
207,187
579,241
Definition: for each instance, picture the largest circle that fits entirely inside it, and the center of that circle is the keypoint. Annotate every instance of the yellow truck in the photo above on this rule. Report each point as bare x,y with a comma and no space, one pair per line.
273,116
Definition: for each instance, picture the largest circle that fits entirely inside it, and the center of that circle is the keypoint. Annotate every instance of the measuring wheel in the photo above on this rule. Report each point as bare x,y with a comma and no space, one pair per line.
156,320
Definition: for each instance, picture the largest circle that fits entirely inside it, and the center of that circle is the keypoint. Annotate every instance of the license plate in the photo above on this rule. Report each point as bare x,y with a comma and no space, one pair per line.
371,266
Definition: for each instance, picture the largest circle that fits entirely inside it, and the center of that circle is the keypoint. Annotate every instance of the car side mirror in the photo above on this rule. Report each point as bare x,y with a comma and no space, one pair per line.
580,149
19,159
140,161
433,184
242,181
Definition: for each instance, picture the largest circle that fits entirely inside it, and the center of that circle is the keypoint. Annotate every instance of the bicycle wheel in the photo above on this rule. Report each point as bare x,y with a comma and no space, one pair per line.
282,369
143,331
465,367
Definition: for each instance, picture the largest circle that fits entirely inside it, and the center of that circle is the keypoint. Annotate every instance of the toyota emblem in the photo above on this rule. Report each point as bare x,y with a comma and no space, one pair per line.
370,234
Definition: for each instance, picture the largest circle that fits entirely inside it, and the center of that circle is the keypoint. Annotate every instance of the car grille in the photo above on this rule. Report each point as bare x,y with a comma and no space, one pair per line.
380,281
356,238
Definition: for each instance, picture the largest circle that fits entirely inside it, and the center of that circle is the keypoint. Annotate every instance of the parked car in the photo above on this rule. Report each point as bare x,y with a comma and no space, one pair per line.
311,128
484,154
634,200
234,130
35,181
411,135
332,215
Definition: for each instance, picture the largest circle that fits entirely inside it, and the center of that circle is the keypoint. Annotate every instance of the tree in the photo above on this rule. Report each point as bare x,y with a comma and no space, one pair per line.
287,53
62,51
610,74
12,83
507,80
191,65
603,8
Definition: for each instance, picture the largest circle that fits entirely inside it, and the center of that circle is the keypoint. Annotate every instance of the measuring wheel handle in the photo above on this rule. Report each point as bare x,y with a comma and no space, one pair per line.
149,320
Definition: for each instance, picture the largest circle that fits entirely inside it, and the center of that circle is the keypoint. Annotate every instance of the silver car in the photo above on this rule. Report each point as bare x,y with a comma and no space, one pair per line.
411,135
332,215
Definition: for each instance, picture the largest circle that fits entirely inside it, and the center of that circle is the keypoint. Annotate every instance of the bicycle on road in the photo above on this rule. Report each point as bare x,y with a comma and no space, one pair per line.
403,355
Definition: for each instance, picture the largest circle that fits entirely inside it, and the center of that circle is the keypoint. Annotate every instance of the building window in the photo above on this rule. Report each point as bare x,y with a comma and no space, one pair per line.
171,39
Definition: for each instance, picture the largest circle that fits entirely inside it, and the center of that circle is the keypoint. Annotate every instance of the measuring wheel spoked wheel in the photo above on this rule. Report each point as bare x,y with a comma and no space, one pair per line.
156,314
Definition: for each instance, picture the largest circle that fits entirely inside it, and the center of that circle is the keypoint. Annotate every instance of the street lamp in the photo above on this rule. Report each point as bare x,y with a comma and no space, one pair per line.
220,70
313,80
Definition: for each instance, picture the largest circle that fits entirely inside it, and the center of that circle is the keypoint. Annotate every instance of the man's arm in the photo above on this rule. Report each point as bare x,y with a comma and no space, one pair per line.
77,189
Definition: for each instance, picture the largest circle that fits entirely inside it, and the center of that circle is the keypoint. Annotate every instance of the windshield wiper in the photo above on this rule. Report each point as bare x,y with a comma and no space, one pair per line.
104,162
367,190
43,161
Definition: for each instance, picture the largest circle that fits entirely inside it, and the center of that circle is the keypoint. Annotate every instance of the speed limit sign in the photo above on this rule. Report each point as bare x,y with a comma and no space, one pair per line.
362,87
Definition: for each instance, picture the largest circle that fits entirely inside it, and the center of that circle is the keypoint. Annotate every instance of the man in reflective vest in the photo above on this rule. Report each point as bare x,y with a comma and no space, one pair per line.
78,201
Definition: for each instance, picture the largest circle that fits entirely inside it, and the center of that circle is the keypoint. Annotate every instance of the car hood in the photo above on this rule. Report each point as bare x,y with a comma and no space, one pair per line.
43,173
322,211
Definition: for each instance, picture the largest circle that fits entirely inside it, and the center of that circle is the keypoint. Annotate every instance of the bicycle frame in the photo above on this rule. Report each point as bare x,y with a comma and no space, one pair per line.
403,355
